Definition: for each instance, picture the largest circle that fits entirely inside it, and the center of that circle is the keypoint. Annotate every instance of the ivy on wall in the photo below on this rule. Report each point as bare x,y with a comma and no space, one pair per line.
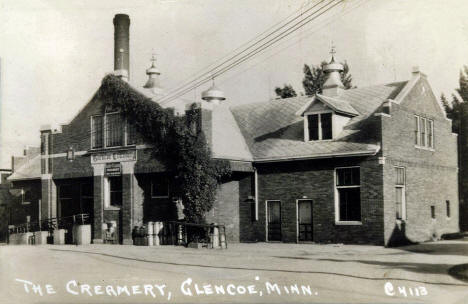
176,142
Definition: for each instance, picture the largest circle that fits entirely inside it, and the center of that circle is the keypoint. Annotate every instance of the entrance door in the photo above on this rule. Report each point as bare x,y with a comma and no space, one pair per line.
274,220
304,218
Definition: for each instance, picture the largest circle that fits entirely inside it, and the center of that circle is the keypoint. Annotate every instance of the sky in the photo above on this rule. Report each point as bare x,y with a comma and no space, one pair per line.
54,54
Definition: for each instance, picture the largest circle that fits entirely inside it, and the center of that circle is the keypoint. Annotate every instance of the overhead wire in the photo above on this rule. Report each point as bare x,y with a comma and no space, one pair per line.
247,48
252,53
330,20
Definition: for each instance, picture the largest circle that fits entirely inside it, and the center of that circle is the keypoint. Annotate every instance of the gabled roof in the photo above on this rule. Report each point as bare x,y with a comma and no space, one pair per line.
336,105
274,130
30,170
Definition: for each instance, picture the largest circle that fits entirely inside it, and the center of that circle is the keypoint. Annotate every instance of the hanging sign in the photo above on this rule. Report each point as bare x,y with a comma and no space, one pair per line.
113,170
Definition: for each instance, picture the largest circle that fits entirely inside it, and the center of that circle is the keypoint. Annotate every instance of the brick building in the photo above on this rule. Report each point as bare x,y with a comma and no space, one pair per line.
374,165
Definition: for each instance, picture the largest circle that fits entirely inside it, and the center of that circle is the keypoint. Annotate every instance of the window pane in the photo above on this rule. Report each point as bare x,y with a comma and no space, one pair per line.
416,130
350,204
430,133
115,189
348,177
96,132
114,130
313,127
448,208
131,134
433,212
399,202
400,176
326,121
422,128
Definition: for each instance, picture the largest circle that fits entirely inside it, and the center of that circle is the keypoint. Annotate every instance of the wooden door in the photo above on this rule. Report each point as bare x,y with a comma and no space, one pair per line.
305,222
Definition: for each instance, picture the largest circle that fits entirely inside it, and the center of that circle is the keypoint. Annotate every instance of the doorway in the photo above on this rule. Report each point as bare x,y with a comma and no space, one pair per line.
273,220
304,220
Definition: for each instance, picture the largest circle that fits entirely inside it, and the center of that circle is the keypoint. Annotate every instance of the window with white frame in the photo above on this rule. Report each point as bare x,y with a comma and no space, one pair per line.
424,132
319,126
400,199
159,187
348,194
113,191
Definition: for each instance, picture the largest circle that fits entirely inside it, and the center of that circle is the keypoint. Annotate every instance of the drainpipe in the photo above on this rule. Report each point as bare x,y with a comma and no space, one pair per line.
256,193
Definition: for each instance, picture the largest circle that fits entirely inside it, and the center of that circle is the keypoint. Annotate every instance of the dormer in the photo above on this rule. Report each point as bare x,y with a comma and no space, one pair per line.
325,117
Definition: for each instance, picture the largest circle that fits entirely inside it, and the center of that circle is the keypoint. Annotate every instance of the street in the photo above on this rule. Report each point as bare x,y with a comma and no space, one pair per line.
253,273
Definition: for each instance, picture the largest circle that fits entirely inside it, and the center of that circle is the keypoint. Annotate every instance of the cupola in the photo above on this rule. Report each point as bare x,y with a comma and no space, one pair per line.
333,85
213,95
152,84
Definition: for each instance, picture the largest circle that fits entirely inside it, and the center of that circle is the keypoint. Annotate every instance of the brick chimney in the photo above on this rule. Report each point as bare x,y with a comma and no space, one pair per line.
121,46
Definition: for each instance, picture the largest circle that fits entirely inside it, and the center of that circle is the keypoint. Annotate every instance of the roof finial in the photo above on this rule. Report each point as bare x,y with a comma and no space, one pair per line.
153,59
332,52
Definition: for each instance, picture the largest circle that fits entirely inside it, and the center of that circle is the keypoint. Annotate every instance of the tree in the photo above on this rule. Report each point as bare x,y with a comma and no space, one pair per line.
454,108
457,111
285,92
314,78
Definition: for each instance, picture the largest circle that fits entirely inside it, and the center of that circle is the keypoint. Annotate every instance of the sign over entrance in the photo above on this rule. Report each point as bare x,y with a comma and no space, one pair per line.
114,169
113,156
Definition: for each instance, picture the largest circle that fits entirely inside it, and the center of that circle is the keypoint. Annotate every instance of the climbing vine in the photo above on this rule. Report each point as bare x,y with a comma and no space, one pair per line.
176,142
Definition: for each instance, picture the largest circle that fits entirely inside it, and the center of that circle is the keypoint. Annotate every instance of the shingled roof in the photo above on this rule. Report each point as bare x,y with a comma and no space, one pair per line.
29,170
273,130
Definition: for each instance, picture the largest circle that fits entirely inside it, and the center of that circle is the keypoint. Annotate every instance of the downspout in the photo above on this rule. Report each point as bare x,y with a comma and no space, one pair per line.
256,193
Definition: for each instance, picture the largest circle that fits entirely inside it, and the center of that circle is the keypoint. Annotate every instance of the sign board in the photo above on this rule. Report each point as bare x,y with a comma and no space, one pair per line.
113,169
113,156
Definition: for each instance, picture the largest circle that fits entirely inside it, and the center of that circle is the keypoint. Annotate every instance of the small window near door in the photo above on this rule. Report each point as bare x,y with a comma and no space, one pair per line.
433,215
115,190
447,206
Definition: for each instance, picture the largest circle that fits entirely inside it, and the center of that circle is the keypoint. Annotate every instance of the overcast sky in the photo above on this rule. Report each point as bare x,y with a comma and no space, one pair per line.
55,53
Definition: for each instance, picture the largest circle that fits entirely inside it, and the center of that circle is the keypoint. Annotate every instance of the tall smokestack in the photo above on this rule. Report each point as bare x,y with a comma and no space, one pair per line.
121,46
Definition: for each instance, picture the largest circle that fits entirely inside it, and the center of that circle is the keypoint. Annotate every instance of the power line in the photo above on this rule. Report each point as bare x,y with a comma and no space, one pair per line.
252,53
174,91
330,20
244,44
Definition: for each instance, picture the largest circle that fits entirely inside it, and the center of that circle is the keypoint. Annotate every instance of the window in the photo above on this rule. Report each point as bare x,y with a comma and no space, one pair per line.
319,126
131,134
447,206
114,130
433,212
96,132
111,130
424,132
400,200
159,187
115,190
25,196
348,190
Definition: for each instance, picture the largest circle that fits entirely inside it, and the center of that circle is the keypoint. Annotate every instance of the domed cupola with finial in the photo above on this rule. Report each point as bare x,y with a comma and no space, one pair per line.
213,94
153,78
333,85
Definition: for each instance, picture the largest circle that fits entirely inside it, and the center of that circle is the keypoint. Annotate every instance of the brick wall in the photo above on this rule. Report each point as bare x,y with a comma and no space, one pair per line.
431,175
290,181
